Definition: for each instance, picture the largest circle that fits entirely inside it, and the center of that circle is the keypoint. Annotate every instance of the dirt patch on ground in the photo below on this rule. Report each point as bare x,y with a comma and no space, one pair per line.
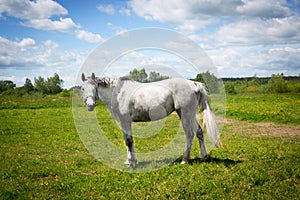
264,128
258,129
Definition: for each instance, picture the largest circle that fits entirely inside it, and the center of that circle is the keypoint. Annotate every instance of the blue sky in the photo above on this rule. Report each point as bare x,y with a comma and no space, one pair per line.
241,37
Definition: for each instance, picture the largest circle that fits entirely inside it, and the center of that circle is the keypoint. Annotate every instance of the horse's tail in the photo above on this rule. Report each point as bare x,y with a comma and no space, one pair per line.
208,118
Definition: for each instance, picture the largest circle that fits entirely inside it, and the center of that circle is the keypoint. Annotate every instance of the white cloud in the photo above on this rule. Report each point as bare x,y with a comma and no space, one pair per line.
25,52
108,9
88,36
242,61
10,50
125,11
173,12
166,63
284,59
63,24
267,9
260,31
35,60
26,42
117,29
26,9
37,14
192,15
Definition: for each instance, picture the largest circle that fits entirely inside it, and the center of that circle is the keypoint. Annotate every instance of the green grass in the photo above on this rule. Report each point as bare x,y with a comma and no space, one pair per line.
42,157
278,108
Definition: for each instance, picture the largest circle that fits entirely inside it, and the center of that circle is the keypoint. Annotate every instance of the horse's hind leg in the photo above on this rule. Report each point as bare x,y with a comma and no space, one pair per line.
189,134
200,137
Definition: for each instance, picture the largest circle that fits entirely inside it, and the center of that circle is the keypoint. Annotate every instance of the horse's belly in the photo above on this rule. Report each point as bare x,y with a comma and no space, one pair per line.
151,114
140,116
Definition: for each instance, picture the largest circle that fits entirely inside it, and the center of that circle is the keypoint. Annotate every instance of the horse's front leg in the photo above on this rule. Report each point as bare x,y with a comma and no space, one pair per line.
126,128
131,159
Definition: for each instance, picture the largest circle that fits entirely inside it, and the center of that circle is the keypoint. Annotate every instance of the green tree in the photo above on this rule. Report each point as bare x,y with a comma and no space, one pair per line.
52,85
28,85
210,80
6,85
40,85
142,76
139,75
155,76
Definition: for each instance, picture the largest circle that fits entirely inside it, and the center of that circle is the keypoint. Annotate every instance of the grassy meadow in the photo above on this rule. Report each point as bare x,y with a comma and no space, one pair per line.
278,108
42,156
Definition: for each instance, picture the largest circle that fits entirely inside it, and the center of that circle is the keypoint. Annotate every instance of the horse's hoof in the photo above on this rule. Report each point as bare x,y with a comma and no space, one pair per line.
127,162
130,163
183,162
203,159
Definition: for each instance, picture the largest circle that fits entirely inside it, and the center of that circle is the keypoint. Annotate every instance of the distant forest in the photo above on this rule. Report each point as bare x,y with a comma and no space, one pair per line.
261,79
277,83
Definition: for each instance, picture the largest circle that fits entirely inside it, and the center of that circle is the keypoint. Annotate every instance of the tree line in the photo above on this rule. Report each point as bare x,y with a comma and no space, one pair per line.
277,83
142,76
44,86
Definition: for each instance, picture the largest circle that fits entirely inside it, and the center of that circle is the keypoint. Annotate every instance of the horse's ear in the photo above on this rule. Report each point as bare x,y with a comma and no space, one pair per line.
93,76
83,77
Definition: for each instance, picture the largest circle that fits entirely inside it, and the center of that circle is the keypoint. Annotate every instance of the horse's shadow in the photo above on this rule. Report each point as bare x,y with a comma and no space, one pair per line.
209,159
227,162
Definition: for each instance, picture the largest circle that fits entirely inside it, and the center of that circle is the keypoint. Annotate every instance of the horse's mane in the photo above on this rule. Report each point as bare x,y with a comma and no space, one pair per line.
111,82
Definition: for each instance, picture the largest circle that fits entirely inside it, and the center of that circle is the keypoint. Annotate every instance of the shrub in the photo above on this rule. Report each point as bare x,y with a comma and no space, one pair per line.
278,84
65,93
252,89
20,91
229,88
240,86
293,86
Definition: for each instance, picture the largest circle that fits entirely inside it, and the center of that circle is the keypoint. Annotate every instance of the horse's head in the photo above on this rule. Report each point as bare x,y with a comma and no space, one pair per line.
89,91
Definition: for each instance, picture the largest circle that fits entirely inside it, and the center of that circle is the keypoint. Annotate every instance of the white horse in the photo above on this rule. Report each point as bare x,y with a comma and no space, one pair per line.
130,101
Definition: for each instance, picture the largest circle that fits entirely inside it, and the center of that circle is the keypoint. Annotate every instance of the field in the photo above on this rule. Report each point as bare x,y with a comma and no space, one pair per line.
278,108
42,156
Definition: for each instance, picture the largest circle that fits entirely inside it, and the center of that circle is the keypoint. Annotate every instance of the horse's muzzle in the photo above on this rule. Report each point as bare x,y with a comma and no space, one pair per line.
90,104
90,107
